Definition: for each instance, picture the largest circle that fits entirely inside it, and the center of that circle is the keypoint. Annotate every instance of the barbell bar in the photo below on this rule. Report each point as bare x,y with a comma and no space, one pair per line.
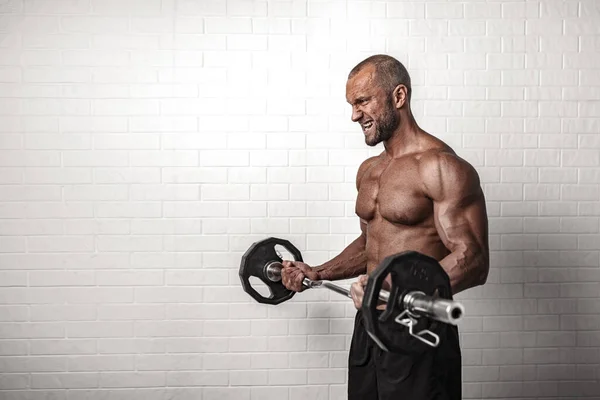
416,303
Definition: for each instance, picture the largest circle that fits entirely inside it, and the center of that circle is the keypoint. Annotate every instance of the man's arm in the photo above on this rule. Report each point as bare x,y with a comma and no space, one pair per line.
460,217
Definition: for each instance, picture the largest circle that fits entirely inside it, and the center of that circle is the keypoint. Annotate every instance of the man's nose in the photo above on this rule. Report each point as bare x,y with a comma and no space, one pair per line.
356,114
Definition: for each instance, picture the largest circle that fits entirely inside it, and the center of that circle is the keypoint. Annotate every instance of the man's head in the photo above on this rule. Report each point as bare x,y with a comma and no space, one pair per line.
378,89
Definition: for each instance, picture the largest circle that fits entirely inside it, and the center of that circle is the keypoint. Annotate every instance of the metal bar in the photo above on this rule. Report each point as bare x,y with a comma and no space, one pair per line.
443,310
326,284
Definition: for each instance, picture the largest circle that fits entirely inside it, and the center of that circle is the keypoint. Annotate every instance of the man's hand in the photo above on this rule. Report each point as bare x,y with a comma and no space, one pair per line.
357,290
294,272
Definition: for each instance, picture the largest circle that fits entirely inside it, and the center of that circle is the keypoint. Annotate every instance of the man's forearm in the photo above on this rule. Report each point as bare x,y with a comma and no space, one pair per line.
351,262
466,267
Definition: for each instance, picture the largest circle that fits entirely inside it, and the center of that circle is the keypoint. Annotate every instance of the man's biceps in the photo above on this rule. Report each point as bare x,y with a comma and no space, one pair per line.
460,203
457,220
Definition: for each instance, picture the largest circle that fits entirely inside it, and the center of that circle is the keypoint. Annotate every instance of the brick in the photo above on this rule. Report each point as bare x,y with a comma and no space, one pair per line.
223,225
513,275
504,191
128,209
13,313
169,192
14,381
129,278
588,242
197,378
137,7
589,208
46,24
47,74
88,226
132,379
285,377
228,25
163,158
430,27
505,225
61,278
541,192
251,209
262,25
60,244
580,192
55,41
33,364
518,174
66,380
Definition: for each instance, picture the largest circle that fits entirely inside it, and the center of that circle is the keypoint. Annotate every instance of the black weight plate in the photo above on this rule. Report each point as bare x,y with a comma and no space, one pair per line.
253,263
409,271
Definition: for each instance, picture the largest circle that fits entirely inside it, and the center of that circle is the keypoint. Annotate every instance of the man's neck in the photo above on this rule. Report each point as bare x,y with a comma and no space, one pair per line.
405,138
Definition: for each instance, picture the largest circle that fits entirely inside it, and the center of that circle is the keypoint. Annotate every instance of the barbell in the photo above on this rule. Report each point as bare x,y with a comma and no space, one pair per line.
419,297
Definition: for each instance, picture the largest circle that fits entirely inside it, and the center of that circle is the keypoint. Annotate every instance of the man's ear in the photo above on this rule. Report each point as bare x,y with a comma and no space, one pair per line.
400,95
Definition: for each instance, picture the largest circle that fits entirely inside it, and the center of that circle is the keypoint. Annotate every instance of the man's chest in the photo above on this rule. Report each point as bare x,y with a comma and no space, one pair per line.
393,191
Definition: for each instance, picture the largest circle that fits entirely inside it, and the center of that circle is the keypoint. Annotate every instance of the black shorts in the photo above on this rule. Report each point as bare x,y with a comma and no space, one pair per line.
427,373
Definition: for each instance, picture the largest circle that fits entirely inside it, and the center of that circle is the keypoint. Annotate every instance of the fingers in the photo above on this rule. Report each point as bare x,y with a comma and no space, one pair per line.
293,274
357,290
307,271
292,278
387,282
297,283
285,276
363,280
357,293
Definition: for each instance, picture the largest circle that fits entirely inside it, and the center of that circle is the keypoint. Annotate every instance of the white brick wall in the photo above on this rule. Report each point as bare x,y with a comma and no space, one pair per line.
145,144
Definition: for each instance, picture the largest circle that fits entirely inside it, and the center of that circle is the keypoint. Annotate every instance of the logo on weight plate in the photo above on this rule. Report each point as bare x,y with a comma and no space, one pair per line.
420,272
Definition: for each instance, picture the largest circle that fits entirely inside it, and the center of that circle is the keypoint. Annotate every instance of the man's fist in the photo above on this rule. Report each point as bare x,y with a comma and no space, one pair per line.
357,290
294,272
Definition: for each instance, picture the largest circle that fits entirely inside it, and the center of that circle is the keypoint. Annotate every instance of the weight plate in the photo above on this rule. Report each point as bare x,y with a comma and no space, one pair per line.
409,271
253,264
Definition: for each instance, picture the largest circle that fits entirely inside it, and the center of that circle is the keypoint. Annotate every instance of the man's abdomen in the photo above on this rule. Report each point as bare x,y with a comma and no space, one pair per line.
385,239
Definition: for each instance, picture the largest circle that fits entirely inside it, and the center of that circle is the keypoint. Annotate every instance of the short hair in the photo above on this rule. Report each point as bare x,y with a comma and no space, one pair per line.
389,72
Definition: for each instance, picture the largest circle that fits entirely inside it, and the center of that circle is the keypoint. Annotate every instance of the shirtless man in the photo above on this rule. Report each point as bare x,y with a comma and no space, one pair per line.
416,195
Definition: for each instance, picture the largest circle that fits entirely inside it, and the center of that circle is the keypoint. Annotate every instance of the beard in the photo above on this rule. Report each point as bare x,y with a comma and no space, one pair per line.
384,125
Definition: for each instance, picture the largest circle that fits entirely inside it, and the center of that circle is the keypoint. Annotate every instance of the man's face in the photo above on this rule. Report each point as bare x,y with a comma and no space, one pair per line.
372,107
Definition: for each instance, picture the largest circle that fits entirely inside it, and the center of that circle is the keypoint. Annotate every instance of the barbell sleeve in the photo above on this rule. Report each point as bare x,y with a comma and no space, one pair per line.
416,303
443,310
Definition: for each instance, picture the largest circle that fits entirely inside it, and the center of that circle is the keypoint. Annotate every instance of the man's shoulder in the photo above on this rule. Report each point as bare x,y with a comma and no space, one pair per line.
364,167
438,156
369,162
444,171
